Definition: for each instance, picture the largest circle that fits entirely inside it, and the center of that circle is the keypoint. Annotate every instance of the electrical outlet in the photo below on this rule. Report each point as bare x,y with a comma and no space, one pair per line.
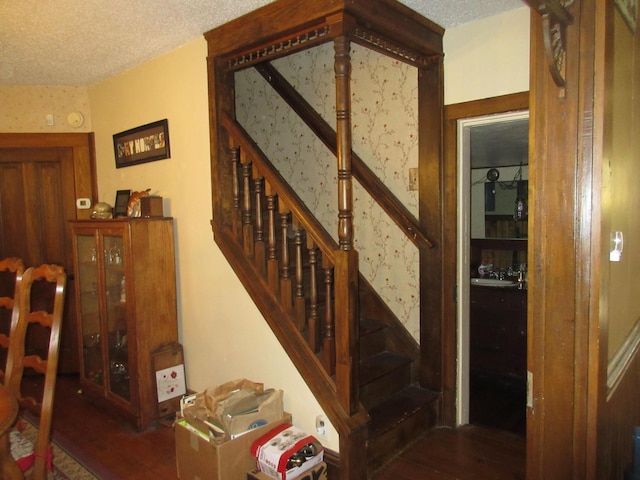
413,179
321,426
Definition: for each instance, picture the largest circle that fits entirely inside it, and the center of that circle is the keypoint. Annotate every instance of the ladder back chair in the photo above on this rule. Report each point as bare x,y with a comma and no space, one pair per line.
40,302
11,270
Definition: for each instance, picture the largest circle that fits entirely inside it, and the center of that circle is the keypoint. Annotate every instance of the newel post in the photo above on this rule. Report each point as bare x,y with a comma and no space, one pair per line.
342,67
346,261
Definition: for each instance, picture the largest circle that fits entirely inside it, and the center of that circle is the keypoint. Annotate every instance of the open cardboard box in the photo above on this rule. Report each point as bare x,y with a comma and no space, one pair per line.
199,459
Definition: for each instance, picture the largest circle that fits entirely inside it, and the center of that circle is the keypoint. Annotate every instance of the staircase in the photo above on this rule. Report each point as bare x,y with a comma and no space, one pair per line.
292,268
379,388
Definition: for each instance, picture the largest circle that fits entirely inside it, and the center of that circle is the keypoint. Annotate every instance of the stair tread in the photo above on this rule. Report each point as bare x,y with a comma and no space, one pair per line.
370,325
379,365
399,406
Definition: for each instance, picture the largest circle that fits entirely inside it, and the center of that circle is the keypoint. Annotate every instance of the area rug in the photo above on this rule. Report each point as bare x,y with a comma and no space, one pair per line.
65,466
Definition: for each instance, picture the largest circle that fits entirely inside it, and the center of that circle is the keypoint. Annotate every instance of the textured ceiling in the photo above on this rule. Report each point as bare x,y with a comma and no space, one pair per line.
81,42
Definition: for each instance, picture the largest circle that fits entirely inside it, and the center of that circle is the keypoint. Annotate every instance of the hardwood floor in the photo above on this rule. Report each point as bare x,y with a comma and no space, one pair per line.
466,453
112,449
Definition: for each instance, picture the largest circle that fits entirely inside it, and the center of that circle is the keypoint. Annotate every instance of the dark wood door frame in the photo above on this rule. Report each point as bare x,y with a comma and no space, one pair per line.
77,157
565,251
453,113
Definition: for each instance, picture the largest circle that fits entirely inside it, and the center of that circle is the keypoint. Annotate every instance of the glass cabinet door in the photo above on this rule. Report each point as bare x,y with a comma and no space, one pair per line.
93,362
103,311
116,316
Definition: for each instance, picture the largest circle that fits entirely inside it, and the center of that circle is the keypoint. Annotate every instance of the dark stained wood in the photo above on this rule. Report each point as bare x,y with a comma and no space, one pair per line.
434,296
283,22
46,193
107,444
265,34
149,318
361,172
563,315
463,454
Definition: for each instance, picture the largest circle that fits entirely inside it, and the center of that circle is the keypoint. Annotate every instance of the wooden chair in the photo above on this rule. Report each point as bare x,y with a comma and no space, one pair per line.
11,270
40,302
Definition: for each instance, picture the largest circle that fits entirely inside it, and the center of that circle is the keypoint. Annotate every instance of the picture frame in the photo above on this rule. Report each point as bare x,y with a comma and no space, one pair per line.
146,143
629,11
122,201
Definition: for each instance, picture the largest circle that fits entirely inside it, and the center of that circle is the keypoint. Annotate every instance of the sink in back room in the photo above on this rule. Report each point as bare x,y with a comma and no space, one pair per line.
493,282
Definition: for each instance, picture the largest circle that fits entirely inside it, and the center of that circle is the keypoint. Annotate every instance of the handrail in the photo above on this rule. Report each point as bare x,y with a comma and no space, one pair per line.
324,241
340,347
369,181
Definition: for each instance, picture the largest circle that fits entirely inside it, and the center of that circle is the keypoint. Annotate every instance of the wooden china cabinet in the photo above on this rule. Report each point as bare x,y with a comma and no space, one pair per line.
126,306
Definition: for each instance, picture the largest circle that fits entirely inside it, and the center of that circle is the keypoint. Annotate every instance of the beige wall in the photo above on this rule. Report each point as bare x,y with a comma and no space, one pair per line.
487,58
621,194
223,334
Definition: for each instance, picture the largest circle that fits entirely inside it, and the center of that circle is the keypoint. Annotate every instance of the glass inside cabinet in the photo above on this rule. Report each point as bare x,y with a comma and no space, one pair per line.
116,302
102,286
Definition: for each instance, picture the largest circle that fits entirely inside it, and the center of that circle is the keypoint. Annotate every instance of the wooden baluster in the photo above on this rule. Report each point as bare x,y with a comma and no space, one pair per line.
285,268
247,226
329,344
260,246
237,212
342,68
299,302
272,247
313,322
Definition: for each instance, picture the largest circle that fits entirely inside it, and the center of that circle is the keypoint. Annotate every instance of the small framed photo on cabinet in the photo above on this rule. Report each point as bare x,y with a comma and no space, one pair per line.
122,201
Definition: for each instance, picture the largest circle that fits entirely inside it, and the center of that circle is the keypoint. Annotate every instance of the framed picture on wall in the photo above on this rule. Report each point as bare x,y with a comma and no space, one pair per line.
146,143
629,11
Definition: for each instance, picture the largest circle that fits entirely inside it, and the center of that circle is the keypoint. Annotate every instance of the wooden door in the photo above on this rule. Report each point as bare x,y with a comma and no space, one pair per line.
41,176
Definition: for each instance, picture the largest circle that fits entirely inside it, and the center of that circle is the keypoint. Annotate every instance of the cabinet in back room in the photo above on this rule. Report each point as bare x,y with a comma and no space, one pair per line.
499,331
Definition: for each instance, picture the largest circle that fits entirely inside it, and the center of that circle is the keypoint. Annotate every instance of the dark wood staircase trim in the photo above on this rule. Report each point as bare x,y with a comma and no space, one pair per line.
249,199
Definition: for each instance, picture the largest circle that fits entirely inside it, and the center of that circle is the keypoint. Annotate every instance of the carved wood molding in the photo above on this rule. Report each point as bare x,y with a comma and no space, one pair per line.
278,48
555,19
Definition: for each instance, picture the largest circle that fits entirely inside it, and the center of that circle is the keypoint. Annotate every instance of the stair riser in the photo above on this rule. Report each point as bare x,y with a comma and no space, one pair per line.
380,389
372,344
385,447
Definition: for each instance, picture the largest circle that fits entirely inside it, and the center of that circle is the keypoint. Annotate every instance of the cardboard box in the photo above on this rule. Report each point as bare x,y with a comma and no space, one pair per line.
319,472
278,450
271,408
230,409
199,459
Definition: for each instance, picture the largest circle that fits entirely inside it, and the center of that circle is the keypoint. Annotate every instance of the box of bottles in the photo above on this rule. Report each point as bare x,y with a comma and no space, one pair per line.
319,472
286,452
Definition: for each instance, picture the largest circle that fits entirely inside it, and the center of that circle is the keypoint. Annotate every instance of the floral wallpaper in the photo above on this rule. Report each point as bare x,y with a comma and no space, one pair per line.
385,136
25,109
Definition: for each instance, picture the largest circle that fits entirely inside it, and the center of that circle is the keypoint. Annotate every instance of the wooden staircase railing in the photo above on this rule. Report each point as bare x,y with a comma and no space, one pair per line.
302,266
310,291
407,223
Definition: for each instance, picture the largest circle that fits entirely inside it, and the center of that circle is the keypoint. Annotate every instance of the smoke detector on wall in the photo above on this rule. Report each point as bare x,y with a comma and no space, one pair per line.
75,119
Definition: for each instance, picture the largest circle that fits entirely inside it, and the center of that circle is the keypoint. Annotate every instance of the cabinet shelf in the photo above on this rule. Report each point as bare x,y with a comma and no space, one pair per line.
118,335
